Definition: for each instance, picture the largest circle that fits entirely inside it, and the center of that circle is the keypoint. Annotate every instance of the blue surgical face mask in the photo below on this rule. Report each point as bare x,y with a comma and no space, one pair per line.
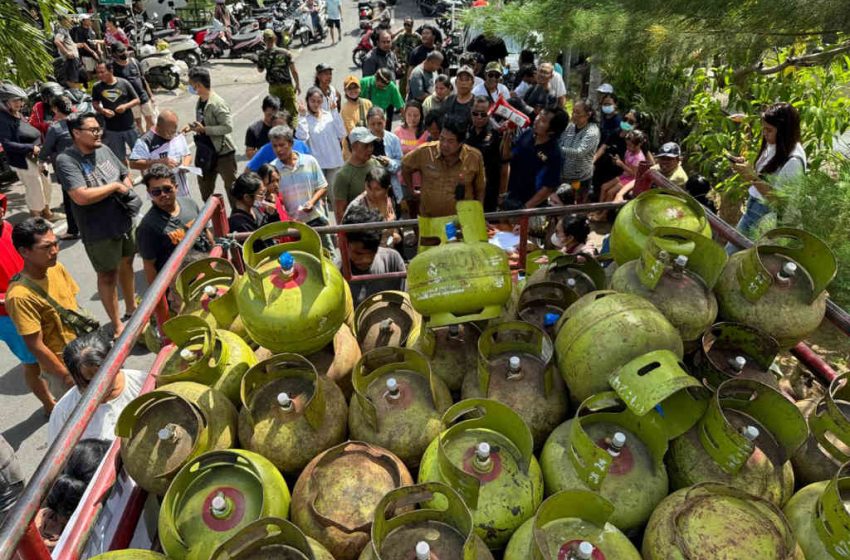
608,109
626,126
192,90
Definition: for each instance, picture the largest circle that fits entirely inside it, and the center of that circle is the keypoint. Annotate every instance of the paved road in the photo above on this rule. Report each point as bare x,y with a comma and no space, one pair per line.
22,422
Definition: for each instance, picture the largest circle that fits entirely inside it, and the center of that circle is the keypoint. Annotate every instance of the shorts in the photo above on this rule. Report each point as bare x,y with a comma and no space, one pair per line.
106,254
333,23
72,70
15,342
143,109
121,142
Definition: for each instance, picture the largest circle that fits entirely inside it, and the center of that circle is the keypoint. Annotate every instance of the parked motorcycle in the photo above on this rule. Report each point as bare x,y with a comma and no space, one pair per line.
181,47
160,68
305,29
431,8
365,12
247,41
363,46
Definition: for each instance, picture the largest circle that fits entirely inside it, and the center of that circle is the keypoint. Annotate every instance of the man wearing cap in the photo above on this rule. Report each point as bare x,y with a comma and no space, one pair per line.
422,77
129,68
404,41
602,91
451,170
382,56
281,74
486,138
350,180
669,164
669,159
492,86
459,104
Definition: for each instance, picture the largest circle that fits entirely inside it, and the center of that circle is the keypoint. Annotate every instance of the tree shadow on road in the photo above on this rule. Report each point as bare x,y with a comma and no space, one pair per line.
21,431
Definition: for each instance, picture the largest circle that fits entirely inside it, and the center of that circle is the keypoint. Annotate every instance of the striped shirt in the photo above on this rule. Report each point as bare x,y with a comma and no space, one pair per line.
298,184
577,151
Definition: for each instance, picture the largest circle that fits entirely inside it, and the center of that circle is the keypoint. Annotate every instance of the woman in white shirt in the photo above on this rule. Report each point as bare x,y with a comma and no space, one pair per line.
83,358
781,159
323,131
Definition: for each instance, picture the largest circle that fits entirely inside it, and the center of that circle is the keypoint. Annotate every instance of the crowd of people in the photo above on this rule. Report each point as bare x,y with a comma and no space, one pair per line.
402,140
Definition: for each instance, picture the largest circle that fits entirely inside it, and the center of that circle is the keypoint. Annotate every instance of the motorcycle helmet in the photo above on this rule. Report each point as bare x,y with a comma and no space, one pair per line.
49,90
9,91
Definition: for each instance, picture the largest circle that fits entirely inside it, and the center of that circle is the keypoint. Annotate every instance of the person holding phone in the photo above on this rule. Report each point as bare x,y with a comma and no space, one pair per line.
781,159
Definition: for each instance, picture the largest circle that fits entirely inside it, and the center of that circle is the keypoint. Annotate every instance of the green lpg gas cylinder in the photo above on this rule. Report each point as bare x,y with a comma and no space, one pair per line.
292,298
655,208
397,402
609,450
205,355
213,497
778,285
486,455
425,532
271,538
734,351
205,289
289,412
709,521
818,513
458,281
162,430
827,446
386,319
580,273
335,498
452,351
678,284
603,331
516,367
130,554
745,438
571,525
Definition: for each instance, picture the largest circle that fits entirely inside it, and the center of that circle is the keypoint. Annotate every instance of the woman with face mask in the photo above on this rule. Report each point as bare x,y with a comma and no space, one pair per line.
570,235
612,146
610,121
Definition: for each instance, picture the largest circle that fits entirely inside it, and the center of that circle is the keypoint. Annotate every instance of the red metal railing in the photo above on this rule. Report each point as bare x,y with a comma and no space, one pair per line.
18,521
20,534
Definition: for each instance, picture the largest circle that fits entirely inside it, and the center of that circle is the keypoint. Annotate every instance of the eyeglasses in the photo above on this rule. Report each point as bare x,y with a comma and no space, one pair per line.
96,130
157,192
480,113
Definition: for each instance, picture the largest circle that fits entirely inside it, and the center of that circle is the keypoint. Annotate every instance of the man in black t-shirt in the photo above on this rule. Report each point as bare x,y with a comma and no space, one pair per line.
257,134
420,53
129,68
114,98
166,223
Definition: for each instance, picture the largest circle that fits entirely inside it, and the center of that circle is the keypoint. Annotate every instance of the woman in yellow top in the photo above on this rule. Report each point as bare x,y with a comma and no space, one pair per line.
353,110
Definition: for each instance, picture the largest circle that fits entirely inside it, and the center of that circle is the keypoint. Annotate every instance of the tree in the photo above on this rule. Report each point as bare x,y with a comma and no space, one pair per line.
25,46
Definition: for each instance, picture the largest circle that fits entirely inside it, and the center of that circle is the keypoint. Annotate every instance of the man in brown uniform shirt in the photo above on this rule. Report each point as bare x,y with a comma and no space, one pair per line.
444,166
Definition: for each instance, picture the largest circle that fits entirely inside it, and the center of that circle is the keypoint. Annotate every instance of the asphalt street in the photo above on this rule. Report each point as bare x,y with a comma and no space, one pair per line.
22,421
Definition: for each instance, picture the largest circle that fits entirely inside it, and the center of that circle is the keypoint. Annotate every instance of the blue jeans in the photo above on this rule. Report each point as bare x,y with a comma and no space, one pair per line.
755,211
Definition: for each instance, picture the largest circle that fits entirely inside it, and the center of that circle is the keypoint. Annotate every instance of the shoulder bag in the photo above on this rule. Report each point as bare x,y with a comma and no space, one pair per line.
78,321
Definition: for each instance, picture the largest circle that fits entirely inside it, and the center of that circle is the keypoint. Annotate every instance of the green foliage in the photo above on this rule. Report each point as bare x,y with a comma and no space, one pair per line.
25,48
819,203
819,93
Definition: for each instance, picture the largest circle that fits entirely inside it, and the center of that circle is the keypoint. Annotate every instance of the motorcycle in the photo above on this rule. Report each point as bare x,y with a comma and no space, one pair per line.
247,41
181,47
160,68
305,29
363,46
365,12
432,8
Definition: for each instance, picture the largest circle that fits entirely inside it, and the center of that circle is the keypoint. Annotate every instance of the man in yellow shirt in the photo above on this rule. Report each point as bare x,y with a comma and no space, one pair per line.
36,320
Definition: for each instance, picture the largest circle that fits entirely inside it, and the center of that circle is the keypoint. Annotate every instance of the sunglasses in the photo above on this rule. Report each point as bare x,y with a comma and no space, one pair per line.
157,192
480,114
493,75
